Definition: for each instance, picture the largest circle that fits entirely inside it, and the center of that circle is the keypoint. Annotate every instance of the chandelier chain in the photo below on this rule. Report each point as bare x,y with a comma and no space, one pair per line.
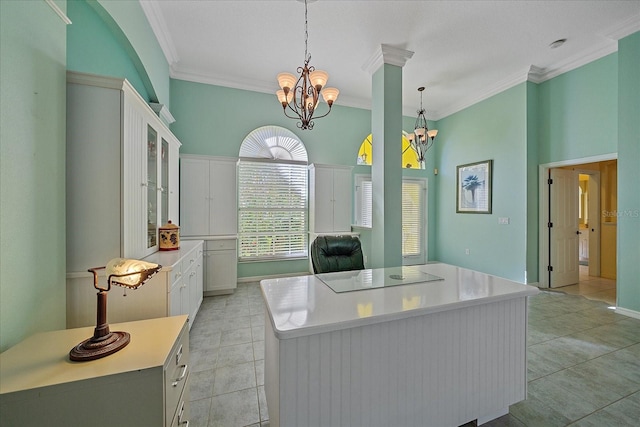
307,57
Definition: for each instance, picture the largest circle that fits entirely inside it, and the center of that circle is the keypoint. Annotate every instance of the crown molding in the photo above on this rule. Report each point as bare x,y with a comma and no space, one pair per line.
58,11
159,26
497,88
623,29
386,54
163,112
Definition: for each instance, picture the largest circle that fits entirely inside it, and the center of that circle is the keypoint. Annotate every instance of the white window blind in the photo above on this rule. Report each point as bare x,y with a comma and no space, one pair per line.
413,215
272,210
412,218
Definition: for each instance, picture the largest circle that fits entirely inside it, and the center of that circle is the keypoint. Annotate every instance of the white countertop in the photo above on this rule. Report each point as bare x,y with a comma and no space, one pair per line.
304,305
168,259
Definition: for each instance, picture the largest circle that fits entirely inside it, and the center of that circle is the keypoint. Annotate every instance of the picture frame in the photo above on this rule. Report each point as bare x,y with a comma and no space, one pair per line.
473,187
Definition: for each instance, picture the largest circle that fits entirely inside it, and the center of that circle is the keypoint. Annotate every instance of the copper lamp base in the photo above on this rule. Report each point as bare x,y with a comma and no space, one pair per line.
92,348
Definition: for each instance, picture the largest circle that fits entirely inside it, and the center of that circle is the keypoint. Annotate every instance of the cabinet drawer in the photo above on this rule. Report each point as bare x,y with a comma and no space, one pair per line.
181,418
218,245
176,374
189,261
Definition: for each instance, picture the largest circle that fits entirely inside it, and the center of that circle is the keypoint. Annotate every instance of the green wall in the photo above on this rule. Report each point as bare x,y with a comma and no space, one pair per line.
495,129
95,47
32,174
141,44
579,112
628,273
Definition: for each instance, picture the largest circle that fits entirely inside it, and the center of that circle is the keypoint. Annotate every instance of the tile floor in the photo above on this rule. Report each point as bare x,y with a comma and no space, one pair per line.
594,288
583,364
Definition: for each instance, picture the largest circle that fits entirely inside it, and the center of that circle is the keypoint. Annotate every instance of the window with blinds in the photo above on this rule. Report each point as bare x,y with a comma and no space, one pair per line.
413,215
272,210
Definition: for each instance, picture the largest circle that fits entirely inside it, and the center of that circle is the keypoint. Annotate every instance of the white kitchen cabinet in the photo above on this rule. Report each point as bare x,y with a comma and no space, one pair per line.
221,265
329,198
176,289
208,204
144,384
122,164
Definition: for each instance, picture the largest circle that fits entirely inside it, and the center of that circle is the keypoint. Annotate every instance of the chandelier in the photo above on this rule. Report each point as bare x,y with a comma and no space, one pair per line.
421,139
300,95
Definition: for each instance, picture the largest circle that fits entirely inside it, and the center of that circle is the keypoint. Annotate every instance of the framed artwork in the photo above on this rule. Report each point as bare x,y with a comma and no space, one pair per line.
473,187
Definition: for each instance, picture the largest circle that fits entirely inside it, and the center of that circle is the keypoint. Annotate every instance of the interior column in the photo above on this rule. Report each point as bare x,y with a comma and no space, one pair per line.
386,170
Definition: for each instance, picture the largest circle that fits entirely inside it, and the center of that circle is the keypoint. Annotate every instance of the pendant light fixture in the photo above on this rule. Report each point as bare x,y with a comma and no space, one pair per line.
301,95
421,139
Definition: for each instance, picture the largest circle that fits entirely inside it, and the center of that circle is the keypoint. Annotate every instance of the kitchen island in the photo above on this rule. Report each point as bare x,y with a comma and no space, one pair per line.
429,345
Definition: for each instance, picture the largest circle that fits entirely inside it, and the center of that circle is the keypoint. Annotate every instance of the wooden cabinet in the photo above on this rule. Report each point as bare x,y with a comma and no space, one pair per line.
176,289
329,198
208,204
221,265
122,164
144,384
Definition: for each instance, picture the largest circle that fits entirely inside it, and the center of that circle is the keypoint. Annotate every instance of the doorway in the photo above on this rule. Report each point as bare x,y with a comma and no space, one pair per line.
583,229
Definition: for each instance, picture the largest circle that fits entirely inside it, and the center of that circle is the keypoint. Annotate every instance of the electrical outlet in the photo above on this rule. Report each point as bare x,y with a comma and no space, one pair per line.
467,251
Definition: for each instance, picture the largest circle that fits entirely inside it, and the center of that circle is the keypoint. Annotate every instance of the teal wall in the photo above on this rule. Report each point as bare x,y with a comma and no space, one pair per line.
92,47
494,129
141,44
578,112
628,271
32,173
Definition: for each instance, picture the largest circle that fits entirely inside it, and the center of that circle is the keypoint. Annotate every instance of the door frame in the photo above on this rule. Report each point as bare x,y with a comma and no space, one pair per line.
593,208
543,209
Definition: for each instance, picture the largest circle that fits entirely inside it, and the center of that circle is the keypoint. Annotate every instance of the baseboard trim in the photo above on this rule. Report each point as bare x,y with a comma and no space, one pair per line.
627,312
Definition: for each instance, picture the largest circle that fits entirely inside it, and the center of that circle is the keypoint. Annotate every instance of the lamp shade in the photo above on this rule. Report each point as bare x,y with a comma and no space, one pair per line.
432,133
286,81
284,99
330,94
318,78
420,131
130,273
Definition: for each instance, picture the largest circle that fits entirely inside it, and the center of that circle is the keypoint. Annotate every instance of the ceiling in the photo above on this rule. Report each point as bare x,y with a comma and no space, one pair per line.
464,51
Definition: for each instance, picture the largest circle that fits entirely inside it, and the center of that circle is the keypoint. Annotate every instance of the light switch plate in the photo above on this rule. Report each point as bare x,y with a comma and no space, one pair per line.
503,220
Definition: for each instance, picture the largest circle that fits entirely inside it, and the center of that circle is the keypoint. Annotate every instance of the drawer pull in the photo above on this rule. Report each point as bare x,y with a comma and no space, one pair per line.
181,377
178,355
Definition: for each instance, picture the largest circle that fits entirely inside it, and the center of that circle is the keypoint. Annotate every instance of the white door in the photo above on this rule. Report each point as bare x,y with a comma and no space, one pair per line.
593,228
563,228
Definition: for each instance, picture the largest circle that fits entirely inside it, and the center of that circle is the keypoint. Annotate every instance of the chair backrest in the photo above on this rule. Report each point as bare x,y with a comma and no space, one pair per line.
336,253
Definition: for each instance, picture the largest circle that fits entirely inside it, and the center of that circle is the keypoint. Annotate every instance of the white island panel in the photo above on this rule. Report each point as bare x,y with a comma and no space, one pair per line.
432,354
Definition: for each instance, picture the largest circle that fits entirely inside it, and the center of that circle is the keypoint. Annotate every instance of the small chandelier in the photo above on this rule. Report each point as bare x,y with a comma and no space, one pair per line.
421,139
302,94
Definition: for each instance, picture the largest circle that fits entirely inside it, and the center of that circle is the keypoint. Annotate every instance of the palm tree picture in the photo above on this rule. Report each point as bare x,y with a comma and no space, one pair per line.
474,187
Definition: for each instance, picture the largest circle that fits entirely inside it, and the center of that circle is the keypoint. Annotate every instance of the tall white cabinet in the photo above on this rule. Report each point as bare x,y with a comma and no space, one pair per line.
122,179
329,199
209,211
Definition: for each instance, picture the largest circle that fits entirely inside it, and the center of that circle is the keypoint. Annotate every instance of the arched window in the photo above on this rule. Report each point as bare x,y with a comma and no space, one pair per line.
409,157
272,195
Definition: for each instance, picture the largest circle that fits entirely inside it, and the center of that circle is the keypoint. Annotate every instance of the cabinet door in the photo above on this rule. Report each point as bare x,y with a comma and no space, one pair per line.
153,187
221,270
323,200
342,200
223,198
194,197
174,182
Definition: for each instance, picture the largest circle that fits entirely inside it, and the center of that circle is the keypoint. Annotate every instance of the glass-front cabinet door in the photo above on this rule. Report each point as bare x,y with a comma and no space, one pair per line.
164,187
152,187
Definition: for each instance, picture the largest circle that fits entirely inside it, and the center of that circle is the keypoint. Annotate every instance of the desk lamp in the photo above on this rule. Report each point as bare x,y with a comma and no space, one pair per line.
128,273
